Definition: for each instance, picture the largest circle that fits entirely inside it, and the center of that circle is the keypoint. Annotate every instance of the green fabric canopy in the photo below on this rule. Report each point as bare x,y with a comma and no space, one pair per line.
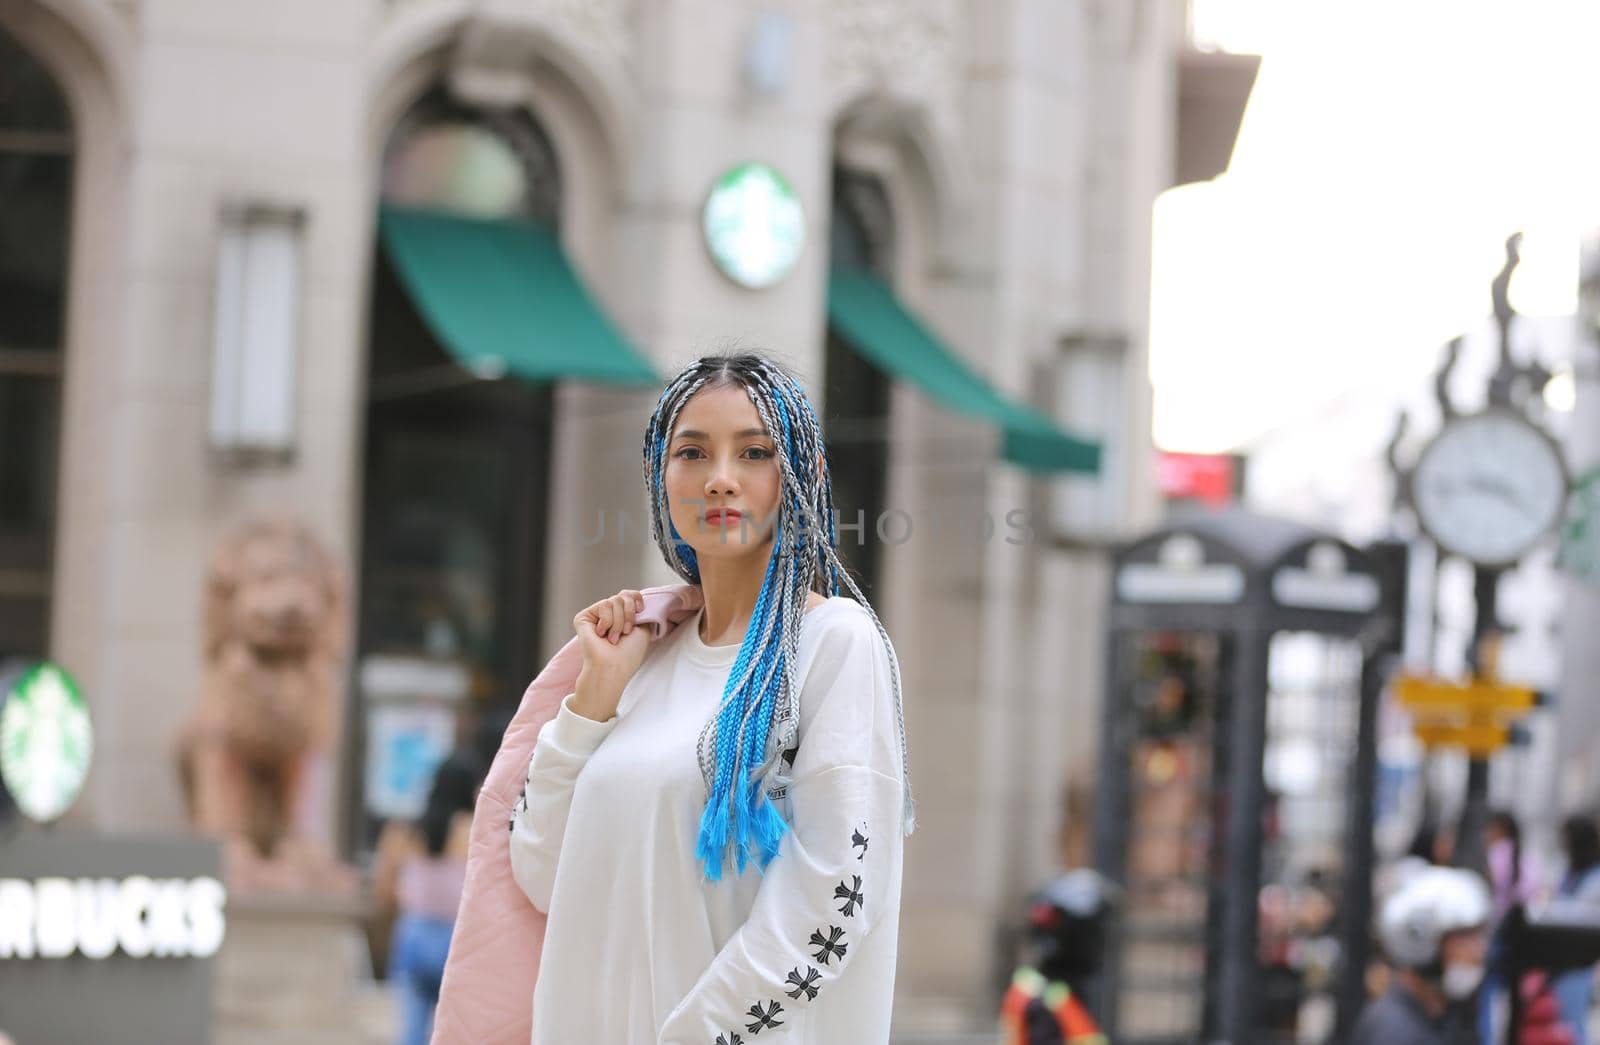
869,315
500,297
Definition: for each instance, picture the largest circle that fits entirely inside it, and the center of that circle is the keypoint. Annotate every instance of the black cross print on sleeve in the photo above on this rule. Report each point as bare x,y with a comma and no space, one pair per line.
857,838
724,1039
764,1018
850,894
806,984
829,946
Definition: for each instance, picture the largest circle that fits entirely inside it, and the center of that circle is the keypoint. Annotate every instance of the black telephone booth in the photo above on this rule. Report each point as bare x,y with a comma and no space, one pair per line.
1236,781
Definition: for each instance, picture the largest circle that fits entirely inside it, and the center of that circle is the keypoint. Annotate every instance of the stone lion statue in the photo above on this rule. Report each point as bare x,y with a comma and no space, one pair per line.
274,638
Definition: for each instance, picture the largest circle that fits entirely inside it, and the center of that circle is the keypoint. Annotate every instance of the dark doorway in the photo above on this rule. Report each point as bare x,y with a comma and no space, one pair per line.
855,415
36,169
456,479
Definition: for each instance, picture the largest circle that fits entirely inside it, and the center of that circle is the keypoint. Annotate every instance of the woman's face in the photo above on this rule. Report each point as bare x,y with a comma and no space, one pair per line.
718,456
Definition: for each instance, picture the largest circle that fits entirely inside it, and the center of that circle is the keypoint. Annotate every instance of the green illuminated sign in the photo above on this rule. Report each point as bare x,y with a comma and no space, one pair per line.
1580,532
45,742
754,225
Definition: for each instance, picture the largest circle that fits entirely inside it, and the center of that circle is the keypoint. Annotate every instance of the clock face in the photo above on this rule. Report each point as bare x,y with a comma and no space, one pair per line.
1489,487
754,225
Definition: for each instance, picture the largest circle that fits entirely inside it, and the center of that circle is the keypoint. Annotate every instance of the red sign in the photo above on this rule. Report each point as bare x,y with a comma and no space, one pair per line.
1199,477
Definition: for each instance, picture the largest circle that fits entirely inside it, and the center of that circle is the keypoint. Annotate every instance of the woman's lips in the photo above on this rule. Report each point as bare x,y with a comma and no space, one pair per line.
722,516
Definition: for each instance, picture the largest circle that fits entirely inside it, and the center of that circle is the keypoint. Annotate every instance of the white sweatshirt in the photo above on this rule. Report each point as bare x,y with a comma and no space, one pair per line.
640,948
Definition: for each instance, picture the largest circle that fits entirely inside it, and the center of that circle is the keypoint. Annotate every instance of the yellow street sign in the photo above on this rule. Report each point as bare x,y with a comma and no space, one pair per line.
1477,739
1427,695
1475,716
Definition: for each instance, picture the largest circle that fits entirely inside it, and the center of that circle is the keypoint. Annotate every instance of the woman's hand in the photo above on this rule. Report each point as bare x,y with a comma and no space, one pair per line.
613,648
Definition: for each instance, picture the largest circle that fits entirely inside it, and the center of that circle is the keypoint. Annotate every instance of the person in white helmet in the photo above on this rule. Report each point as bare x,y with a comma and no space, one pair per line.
1434,928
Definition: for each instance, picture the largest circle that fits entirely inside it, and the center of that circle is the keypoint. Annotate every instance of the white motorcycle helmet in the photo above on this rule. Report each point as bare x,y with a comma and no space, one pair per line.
1426,907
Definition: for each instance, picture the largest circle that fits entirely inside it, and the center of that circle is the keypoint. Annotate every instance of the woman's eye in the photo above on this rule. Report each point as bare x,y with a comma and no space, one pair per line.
761,453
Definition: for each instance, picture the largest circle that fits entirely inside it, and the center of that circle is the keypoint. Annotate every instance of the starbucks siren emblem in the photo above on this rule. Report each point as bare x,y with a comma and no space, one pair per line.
46,742
754,225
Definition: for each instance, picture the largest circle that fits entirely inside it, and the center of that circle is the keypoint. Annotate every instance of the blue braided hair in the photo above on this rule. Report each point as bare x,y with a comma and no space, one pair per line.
759,718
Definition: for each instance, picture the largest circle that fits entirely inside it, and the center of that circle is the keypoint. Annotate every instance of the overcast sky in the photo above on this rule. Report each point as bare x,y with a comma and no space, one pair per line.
1388,149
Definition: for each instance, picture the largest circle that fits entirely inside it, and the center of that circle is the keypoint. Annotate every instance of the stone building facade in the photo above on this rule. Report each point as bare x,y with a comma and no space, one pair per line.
1012,151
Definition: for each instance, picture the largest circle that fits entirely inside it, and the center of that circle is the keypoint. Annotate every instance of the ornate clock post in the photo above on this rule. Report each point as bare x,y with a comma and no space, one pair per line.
1488,488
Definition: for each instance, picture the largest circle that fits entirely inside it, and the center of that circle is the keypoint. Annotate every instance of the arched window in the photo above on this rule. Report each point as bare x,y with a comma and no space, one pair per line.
483,163
36,161
856,393
475,163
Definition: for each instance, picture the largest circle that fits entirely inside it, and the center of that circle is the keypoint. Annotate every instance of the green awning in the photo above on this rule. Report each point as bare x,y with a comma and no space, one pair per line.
869,315
499,295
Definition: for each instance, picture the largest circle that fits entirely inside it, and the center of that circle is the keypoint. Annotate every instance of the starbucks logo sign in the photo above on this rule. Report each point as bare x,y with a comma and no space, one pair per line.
754,225
45,742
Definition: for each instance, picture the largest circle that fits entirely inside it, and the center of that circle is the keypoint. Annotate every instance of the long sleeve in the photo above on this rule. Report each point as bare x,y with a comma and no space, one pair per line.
539,818
837,868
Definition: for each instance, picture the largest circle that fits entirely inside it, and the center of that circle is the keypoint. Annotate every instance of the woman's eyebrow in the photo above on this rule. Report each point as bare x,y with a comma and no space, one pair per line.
694,433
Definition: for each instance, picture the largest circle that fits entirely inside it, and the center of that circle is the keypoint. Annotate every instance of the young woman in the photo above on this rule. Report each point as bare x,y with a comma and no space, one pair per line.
1515,877
713,821
418,874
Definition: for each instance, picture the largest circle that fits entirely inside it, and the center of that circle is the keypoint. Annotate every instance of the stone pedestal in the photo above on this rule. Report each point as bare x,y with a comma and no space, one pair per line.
295,968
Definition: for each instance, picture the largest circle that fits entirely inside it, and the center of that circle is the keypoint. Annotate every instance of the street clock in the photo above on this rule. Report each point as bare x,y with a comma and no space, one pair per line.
1489,487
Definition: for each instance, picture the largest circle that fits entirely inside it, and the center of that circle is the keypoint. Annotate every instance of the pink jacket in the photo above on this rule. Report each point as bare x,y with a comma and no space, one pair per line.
487,994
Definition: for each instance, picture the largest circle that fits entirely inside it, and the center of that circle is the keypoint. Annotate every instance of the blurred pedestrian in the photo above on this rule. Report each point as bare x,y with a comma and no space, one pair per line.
1541,1014
420,870
1515,877
1434,929
1434,843
1579,894
1516,874
1046,1002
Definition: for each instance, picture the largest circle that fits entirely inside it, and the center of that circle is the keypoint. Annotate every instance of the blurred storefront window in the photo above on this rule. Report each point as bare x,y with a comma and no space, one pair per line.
36,169
856,402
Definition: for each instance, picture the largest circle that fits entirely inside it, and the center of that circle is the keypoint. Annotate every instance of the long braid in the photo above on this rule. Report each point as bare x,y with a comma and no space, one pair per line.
758,719
822,544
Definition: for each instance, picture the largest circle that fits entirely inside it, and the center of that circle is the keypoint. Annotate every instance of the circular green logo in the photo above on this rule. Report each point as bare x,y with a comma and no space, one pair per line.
45,742
754,225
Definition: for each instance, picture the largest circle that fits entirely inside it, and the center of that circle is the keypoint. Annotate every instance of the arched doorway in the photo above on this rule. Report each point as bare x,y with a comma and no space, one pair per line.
37,153
476,311
456,473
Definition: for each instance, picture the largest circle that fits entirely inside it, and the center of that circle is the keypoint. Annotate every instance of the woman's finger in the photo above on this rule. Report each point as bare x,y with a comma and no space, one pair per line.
612,618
